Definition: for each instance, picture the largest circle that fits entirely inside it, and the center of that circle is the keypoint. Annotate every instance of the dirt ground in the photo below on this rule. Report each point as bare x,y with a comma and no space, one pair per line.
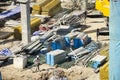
74,73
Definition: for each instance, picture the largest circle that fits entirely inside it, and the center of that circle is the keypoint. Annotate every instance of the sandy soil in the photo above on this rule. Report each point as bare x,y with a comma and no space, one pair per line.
73,73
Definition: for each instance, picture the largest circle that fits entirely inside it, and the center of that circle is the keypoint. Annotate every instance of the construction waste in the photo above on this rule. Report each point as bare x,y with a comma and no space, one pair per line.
4,55
69,4
58,75
97,61
72,17
9,14
12,23
77,53
73,48
59,49
5,33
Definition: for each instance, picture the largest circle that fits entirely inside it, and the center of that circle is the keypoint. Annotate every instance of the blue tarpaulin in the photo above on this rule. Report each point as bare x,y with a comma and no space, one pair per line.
9,13
5,52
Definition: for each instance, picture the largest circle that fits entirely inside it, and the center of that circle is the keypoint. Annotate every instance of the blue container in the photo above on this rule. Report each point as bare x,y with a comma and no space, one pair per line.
67,41
59,46
56,45
10,13
77,43
56,59
48,58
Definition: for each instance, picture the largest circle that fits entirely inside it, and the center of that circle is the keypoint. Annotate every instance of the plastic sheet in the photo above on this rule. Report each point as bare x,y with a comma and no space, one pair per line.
9,13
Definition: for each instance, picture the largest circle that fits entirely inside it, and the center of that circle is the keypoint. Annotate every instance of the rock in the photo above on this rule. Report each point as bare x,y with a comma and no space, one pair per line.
58,74
22,76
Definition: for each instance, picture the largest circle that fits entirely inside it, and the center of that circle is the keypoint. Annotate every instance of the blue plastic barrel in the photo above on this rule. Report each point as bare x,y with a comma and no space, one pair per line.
54,46
59,46
77,43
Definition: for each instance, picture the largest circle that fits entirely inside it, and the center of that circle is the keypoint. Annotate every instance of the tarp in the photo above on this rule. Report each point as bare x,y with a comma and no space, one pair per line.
5,52
9,13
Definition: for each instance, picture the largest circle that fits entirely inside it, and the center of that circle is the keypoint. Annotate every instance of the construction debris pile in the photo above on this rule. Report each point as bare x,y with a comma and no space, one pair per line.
57,37
9,14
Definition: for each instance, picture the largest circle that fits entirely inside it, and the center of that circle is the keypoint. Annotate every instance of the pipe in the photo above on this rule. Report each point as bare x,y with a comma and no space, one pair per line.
114,51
